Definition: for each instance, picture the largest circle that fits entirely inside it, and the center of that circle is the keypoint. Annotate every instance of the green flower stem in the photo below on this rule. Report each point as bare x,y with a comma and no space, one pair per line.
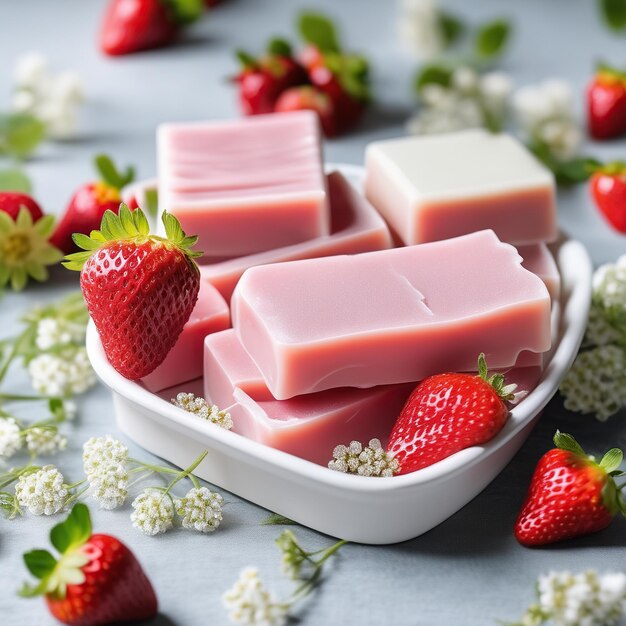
13,397
12,476
188,473
308,585
76,495
78,484
5,366
140,478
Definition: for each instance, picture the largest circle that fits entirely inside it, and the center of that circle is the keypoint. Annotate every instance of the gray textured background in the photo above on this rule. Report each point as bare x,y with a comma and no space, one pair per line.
469,570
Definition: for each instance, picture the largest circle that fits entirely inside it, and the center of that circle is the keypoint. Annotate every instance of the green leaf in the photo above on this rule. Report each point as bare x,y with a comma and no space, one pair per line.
14,180
491,38
278,520
84,242
248,62
570,171
614,13
110,174
280,47
612,460
20,134
39,563
74,531
173,229
186,11
567,442
318,30
434,74
152,202
452,28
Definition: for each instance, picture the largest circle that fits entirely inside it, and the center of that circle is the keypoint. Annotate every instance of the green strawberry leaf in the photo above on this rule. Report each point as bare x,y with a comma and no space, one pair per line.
40,563
20,134
318,30
247,61
452,28
433,74
614,13
74,531
492,38
612,460
564,441
110,174
185,11
14,180
280,47
568,172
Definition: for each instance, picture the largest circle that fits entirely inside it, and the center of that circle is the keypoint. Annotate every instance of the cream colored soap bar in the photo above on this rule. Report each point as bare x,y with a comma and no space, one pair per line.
440,186
391,316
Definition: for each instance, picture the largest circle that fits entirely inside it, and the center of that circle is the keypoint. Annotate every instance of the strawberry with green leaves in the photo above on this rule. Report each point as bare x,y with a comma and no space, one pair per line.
94,580
447,413
570,494
606,103
608,189
89,203
25,249
140,289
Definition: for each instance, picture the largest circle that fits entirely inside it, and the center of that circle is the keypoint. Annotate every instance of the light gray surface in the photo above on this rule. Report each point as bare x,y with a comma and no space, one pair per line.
470,570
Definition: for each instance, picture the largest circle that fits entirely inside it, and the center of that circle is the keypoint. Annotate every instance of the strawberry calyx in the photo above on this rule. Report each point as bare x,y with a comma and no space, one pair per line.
131,226
56,573
614,168
110,175
609,75
279,47
607,468
497,381
184,12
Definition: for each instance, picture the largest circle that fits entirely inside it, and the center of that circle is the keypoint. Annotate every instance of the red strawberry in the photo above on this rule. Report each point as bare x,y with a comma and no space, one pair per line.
134,25
262,81
140,289
606,104
569,495
447,413
608,189
307,97
96,579
88,204
11,202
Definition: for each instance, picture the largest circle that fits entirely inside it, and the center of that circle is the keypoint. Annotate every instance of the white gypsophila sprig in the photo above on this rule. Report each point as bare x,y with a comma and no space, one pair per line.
53,332
65,374
10,437
599,331
110,486
419,27
42,492
200,407
51,97
100,453
371,460
200,509
596,383
43,441
249,602
153,512
609,291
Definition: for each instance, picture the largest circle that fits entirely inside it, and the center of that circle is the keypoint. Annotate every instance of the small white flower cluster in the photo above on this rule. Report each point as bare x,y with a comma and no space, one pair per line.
545,114
104,463
64,374
200,407
369,461
585,599
609,288
419,27
41,441
599,331
471,101
53,332
153,512
10,437
200,509
51,98
250,603
42,492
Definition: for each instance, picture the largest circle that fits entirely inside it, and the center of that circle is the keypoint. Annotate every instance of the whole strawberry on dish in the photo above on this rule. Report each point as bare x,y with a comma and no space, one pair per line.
140,289
134,25
606,103
87,206
608,189
570,494
447,413
25,248
94,580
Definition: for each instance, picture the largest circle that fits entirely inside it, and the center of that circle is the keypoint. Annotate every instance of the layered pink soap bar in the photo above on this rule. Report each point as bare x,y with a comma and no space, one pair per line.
435,187
307,426
539,260
246,185
356,227
184,361
390,316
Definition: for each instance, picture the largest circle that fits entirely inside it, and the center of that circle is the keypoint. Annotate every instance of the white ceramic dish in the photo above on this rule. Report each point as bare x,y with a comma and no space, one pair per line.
351,507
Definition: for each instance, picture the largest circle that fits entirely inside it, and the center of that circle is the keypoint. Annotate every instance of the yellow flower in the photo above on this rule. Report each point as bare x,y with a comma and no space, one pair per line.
24,249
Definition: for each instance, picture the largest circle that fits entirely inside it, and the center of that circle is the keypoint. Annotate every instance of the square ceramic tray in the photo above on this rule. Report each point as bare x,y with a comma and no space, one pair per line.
351,507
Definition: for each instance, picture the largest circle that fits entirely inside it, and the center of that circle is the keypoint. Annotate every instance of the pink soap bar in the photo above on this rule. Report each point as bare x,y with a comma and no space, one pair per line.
539,260
439,186
184,360
356,227
307,426
245,185
390,316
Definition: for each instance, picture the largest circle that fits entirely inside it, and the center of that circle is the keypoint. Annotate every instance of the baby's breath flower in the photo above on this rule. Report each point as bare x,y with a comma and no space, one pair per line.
200,509
599,331
42,492
596,382
65,374
293,555
200,407
101,453
609,291
55,332
250,603
44,441
369,461
110,487
69,410
10,437
153,512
